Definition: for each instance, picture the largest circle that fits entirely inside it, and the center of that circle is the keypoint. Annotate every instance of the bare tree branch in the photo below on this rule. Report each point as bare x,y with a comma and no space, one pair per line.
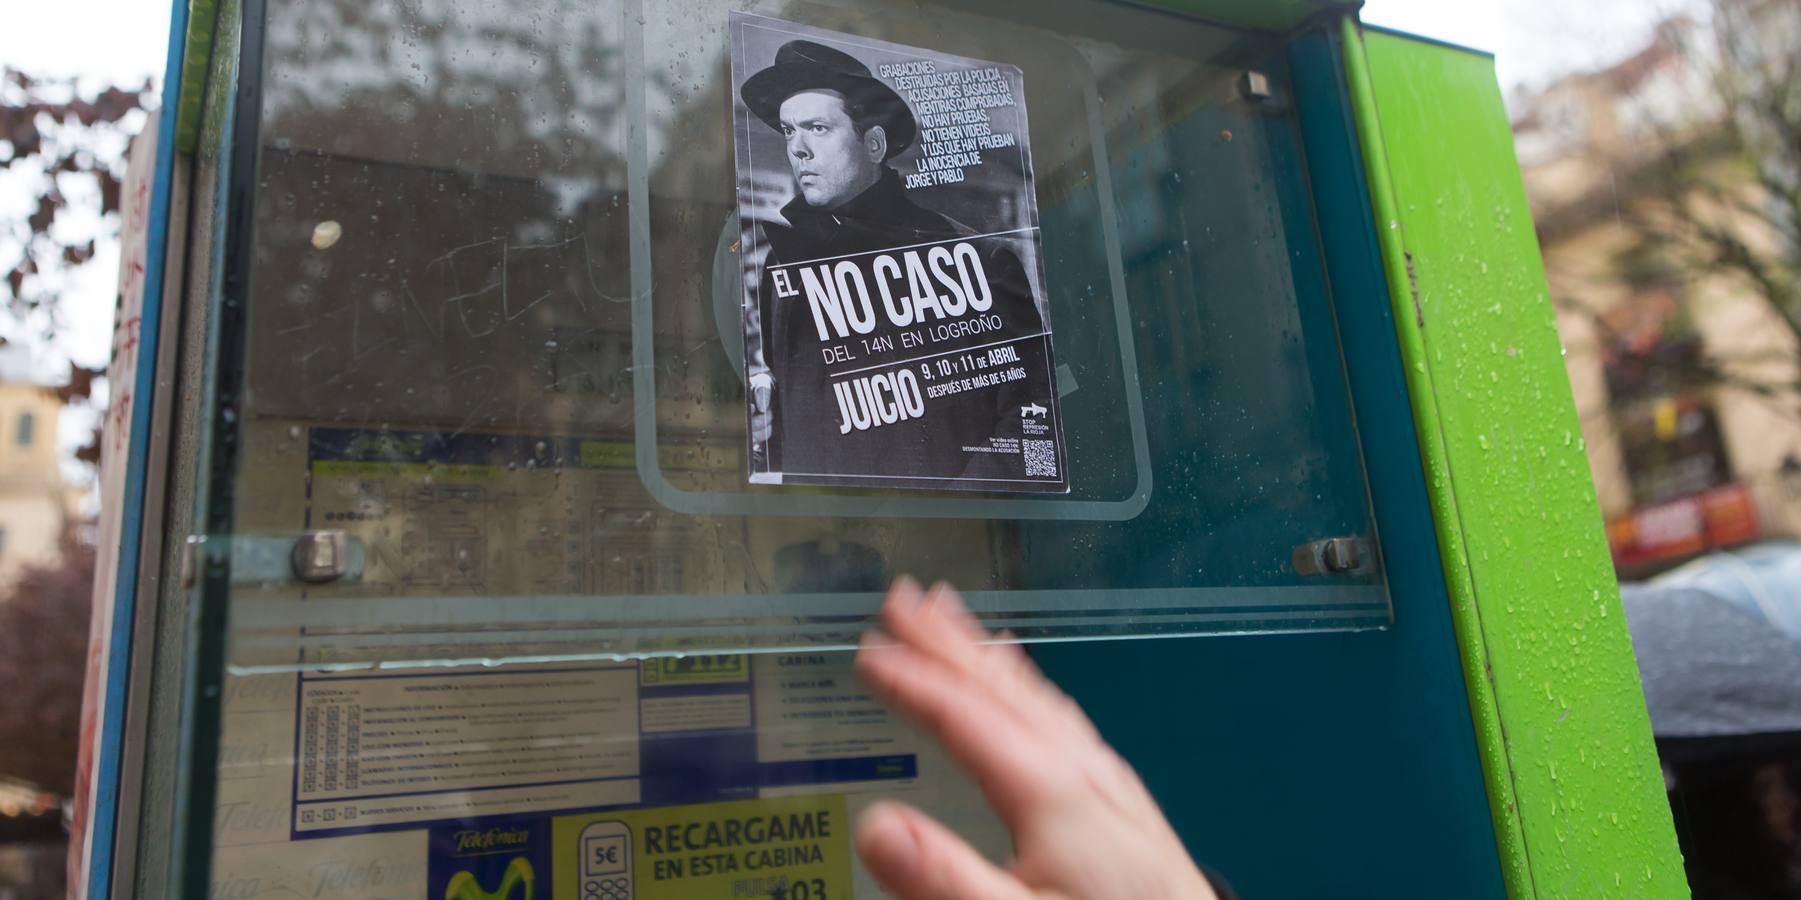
55,137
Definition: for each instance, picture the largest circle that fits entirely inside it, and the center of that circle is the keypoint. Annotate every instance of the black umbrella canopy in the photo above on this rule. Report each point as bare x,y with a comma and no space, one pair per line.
1712,669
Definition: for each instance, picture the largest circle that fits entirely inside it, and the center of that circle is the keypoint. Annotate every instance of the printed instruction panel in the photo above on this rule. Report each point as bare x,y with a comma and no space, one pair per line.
725,775
714,776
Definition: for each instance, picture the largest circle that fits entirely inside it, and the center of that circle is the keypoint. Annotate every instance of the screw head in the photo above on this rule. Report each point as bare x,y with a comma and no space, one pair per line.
321,556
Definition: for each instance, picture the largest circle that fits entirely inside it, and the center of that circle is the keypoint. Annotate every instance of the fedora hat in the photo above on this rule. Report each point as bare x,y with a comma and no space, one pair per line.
807,66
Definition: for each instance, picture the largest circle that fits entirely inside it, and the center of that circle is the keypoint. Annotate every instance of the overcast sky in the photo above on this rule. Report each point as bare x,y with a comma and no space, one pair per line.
124,41
1534,40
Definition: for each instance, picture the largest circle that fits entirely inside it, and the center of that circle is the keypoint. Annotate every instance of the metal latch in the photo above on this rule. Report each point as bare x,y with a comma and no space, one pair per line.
312,557
1334,556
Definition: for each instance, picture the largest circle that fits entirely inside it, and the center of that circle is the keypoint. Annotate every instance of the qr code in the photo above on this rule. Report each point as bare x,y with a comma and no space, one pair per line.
1041,458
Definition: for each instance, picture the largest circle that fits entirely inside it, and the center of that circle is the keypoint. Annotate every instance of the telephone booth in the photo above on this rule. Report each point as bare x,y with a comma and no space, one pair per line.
480,533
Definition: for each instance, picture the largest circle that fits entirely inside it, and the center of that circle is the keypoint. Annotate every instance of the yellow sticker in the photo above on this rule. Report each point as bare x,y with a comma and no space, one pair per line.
783,848
408,471
614,455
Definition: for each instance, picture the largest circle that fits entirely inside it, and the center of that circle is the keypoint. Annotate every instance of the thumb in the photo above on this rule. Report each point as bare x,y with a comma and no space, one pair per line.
916,858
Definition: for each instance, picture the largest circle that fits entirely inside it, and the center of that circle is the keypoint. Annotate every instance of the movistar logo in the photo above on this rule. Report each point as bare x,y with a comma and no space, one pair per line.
463,885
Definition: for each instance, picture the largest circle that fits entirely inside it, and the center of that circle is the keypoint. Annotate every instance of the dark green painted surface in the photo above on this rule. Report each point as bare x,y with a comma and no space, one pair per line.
1502,806
1333,765
1556,690
1252,444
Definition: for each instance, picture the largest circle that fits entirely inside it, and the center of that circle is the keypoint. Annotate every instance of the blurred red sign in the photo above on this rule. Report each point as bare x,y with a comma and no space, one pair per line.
1719,518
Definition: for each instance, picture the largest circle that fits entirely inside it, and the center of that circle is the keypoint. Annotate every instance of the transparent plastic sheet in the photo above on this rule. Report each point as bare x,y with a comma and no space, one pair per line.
508,375
485,341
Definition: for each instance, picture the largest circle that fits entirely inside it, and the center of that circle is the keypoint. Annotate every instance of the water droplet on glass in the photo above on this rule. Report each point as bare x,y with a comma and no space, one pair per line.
326,233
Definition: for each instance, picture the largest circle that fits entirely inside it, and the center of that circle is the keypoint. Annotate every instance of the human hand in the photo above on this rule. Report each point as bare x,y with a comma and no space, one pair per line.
1084,826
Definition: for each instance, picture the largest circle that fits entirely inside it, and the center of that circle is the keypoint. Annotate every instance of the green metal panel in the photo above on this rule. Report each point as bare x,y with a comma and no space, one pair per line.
201,16
1574,785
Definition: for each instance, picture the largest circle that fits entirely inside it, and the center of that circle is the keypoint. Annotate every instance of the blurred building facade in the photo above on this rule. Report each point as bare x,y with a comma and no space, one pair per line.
35,499
1684,373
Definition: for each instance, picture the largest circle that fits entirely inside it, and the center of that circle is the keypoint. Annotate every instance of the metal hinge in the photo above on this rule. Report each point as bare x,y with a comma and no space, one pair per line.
1335,556
312,557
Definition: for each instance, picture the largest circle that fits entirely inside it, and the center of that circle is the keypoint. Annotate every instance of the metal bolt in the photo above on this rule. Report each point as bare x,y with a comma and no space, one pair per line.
1341,555
321,556
1329,556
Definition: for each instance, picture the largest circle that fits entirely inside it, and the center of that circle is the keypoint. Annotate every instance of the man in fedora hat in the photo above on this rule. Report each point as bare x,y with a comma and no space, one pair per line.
841,123
842,126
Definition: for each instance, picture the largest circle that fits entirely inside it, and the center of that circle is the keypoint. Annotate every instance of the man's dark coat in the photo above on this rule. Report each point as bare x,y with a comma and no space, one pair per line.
805,413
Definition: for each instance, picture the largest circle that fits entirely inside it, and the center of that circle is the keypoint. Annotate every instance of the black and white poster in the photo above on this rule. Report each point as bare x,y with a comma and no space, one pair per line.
896,326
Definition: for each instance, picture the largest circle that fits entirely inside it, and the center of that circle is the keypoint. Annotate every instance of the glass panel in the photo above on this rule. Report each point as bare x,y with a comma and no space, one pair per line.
497,283
494,337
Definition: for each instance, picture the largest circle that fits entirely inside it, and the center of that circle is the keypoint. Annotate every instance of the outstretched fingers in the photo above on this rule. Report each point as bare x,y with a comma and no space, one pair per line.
916,858
939,626
973,725
1044,767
